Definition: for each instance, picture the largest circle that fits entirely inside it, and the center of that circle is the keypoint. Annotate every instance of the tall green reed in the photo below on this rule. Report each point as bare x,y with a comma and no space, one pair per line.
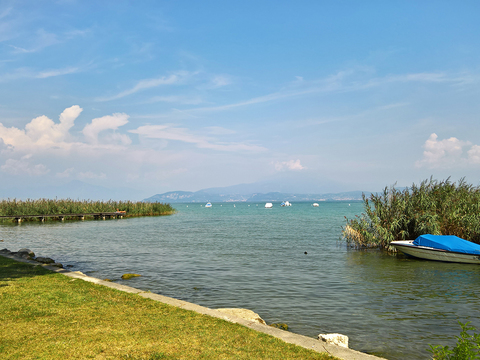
433,207
14,207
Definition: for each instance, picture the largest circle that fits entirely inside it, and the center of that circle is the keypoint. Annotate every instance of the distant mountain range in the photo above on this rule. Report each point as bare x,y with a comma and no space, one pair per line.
214,195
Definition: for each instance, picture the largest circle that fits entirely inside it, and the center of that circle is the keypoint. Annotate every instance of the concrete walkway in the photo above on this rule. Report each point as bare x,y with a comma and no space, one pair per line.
289,337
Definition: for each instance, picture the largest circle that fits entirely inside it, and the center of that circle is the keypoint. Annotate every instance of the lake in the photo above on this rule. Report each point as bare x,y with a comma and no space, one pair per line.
288,264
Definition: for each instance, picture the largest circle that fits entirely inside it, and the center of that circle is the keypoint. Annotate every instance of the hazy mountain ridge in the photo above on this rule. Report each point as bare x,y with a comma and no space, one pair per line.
215,196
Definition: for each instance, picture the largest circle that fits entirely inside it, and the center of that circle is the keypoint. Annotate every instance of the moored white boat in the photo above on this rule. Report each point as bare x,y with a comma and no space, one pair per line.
440,248
268,205
315,204
207,205
285,203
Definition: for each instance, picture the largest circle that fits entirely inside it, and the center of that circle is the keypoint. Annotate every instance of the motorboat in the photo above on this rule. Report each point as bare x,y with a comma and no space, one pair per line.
268,205
315,204
208,205
285,203
447,248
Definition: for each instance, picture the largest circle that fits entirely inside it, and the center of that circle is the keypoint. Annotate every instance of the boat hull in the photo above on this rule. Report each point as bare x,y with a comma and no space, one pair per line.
427,253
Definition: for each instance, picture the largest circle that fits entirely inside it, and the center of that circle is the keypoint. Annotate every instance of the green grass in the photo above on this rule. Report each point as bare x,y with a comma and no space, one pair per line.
46,315
68,206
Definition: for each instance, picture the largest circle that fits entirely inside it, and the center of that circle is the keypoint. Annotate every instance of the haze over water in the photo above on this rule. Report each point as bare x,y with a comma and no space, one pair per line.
251,257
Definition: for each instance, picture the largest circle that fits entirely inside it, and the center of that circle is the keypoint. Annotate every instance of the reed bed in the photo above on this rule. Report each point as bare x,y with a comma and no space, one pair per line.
68,206
433,207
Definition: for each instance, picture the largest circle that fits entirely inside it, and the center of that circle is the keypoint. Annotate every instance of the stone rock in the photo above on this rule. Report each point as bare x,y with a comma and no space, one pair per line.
26,254
59,265
5,251
129,276
44,260
281,326
244,314
335,339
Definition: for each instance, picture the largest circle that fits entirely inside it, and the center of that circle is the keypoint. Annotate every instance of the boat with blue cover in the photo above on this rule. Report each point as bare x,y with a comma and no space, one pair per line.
448,248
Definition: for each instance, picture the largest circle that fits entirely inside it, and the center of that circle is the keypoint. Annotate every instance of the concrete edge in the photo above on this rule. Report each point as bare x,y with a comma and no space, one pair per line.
288,337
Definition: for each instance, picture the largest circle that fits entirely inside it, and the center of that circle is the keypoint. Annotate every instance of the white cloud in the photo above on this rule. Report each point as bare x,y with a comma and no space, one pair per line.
218,130
168,132
289,165
109,122
28,73
23,167
57,72
41,132
41,40
474,154
91,175
447,153
184,100
220,81
65,174
149,83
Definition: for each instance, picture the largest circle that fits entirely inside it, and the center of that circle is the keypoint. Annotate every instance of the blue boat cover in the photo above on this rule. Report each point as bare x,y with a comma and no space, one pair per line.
449,243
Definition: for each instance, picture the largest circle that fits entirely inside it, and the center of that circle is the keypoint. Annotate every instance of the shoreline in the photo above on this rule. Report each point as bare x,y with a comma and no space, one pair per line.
286,336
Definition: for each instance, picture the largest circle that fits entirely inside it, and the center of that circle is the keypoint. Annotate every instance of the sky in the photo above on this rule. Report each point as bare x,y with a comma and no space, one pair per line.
309,96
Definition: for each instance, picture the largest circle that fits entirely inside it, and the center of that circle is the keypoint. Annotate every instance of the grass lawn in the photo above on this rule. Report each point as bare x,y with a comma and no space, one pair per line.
45,315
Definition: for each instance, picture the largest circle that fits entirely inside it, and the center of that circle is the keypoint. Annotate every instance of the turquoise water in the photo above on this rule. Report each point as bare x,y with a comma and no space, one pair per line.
251,257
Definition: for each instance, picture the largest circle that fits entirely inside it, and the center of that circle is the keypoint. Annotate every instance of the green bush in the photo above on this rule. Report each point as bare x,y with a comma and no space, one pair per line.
467,347
433,207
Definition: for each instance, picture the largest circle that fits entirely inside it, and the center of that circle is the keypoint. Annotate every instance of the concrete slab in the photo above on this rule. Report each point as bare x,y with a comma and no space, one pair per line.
288,337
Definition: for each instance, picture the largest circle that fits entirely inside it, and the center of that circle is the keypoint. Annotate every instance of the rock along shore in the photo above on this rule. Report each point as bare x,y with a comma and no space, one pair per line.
335,347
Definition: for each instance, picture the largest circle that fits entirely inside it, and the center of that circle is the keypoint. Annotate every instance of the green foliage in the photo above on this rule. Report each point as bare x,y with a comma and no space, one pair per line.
467,347
433,207
68,206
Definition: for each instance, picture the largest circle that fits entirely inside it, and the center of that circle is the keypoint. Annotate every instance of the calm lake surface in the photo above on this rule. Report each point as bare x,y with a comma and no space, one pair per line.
251,257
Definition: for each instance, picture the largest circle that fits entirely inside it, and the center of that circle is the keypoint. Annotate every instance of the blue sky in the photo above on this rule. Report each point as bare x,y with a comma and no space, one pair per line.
310,96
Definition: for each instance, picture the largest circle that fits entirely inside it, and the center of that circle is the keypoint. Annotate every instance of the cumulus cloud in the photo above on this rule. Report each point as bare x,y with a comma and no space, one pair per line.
168,132
41,132
448,152
109,122
289,165
474,154
24,166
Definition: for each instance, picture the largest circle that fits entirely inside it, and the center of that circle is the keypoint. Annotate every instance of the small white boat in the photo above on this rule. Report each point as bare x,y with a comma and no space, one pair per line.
285,203
268,205
315,204
447,248
208,205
